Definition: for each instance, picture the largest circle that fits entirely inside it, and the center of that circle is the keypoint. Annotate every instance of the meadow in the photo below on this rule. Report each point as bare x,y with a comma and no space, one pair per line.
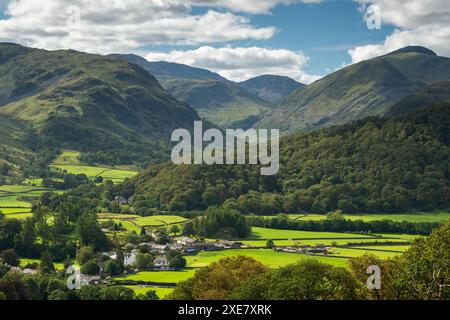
265,233
410,217
161,292
15,200
327,242
135,223
158,276
268,257
69,161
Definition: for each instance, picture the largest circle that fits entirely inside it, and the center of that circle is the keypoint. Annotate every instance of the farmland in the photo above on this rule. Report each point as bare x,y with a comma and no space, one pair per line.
69,161
135,223
268,257
161,292
410,217
15,200
265,233
158,276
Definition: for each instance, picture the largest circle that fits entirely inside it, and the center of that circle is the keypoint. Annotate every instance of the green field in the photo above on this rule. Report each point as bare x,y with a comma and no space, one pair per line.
265,233
24,262
327,242
268,257
385,248
134,223
155,221
116,175
69,161
160,291
15,200
354,252
410,217
68,157
158,276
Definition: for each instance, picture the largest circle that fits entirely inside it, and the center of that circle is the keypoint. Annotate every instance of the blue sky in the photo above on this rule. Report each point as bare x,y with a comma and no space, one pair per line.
238,39
324,32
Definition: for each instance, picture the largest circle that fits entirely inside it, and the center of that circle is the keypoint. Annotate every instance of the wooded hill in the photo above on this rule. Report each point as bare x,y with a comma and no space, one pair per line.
372,165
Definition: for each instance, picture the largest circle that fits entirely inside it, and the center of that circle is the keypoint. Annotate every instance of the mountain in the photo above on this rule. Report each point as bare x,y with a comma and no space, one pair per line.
371,165
435,94
172,70
364,89
103,106
217,99
271,88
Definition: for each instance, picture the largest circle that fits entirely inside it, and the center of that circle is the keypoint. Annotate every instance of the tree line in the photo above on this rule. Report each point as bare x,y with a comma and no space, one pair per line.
372,165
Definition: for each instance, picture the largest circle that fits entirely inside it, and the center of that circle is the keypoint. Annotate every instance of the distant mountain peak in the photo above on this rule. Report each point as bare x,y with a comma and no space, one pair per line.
272,88
414,49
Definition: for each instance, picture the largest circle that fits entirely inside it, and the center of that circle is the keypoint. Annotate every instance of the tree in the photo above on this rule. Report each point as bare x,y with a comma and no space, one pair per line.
144,261
10,257
188,229
46,264
174,229
149,295
427,265
306,280
112,268
218,221
85,254
117,293
177,262
90,268
90,233
218,280
58,295
270,244
90,293
391,270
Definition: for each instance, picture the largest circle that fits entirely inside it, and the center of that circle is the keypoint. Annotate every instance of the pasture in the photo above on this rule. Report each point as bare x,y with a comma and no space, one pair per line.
135,222
156,221
409,217
161,292
326,242
265,233
158,276
113,174
267,257
16,200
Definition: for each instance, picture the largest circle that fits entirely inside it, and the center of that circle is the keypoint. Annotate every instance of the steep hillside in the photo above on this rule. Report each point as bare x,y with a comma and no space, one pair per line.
216,99
99,105
372,165
271,88
364,89
434,94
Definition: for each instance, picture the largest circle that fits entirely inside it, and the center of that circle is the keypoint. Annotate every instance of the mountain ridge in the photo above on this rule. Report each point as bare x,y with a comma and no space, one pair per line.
367,88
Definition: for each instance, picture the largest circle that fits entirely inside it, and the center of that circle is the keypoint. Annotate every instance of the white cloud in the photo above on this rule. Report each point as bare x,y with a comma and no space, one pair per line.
121,25
240,64
418,22
249,6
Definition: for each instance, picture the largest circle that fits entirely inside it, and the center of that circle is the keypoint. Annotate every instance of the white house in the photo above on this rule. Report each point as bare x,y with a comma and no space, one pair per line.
161,263
130,258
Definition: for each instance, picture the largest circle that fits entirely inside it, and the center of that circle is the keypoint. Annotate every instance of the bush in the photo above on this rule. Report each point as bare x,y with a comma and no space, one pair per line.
90,268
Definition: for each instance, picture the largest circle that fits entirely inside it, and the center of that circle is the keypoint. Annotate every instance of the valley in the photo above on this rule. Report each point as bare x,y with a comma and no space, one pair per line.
85,181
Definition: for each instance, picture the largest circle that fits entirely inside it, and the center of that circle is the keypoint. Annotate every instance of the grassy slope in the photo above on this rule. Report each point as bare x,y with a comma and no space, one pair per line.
218,100
89,102
364,89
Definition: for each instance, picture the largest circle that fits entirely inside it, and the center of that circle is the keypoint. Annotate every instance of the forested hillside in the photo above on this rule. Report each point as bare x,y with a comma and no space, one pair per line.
371,165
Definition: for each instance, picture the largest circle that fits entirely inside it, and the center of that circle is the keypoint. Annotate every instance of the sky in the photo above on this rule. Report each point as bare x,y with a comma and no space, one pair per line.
239,39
